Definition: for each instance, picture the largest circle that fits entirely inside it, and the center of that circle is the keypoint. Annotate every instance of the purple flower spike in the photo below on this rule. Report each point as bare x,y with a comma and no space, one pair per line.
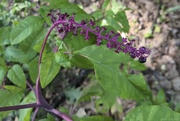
66,24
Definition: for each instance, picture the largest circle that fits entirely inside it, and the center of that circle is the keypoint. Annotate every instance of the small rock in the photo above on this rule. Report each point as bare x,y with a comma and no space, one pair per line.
176,99
176,83
165,84
81,112
172,73
166,59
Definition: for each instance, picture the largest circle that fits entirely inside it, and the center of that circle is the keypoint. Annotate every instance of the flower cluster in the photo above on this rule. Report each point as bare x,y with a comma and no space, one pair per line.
65,23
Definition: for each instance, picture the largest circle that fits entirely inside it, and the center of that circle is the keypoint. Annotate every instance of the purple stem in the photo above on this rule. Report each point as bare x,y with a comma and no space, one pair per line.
40,99
33,105
35,113
30,86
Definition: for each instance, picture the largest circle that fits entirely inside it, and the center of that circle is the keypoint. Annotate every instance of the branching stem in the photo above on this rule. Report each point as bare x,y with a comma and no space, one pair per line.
33,105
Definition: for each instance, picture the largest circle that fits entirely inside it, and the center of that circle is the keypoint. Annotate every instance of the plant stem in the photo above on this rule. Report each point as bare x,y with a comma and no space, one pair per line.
33,105
40,99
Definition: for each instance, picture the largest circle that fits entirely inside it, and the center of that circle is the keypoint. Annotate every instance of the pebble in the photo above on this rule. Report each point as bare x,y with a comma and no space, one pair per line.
165,84
176,83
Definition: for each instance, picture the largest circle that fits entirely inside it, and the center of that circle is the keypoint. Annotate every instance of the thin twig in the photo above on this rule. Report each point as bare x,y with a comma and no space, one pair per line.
33,105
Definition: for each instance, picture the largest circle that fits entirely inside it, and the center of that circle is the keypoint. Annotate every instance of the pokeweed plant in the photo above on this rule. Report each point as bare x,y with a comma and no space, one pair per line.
82,43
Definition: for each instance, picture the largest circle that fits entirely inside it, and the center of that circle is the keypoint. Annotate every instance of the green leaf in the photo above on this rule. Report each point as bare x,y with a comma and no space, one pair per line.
148,34
73,94
122,18
33,69
44,10
25,28
152,113
17,76
1,50
10,96
106,64
138,81
93,89
28,44
104,103
117,6
113,22
64,7
49,118
15,54
160,98
94,118
49,69
72,8
77,43
105,4
137,66
5,35
177,107
97,14
81,61
3,70
62,60
25,114
173,9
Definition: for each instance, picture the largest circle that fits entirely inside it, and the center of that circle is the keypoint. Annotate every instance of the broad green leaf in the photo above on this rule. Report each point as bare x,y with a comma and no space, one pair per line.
117,6
15,54
44,119
44,10
3,70
62,60
49,69
28,44
105,4
106,64
9,96
72,8
138,81
177,107
49,118
94,118
93,89
25,28
104,103
160,98
77,43
17,76
1,50
97,14
112,22
137,66
72,94
80,61
148,34
5,35
25,114
122,18
152,113
64,7
33,69
173,9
